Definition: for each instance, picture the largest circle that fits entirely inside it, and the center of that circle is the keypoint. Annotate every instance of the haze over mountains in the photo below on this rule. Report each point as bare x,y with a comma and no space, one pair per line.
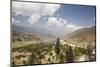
86,34
41,32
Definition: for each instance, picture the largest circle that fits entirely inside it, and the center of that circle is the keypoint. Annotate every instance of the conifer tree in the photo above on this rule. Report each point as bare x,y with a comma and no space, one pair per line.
69,55
57,49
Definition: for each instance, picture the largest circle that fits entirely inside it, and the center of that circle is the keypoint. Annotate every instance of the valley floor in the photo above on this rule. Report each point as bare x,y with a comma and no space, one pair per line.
47,52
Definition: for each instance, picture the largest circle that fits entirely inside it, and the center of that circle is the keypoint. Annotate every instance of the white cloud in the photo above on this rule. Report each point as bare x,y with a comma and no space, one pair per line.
33,19
78,27
12,20
37,10
24,8
58,22
15,21
72,27
34,9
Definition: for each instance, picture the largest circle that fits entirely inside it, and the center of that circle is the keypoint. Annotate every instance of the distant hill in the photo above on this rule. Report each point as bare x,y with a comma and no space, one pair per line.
83,34
19,36
41,32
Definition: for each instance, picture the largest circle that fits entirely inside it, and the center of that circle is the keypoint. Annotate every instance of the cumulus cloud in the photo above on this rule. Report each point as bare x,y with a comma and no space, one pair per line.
25,8
72,26
58,22
15,21
33,19
34,10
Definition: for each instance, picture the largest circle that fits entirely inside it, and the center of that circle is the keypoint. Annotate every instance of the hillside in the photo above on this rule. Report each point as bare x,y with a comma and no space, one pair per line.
41,32
19,36
87,34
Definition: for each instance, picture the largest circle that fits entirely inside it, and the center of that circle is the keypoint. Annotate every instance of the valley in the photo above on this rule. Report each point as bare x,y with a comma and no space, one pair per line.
43,33
29,49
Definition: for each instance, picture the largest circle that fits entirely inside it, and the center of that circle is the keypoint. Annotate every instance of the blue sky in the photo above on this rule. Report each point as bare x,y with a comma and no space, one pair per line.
54,17
80,15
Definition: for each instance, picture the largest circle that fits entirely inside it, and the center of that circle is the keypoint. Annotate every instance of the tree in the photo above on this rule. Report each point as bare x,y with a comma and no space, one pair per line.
32,59
24,62
89,52
61,58
69,55
57,49
13,64
76,50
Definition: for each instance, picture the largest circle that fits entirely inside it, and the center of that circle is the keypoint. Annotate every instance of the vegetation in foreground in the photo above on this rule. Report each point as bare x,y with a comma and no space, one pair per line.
48,53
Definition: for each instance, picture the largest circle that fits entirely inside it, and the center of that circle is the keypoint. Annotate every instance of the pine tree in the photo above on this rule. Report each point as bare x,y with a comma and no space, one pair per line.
69,55
24,62
32,59
13,64
57,49
89,52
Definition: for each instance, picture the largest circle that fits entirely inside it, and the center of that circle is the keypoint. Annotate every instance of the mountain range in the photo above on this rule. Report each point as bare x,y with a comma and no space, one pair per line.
41,32
83,34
